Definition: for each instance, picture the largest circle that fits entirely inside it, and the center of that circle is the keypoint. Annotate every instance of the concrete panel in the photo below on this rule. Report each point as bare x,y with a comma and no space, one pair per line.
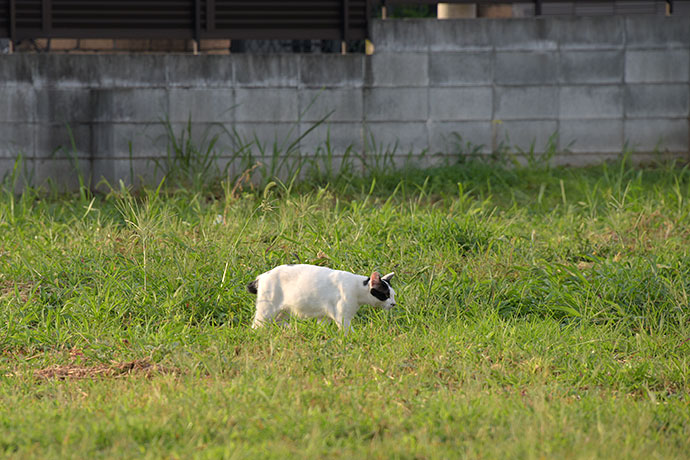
61,140
395,104
460,138
225,141
467,103
657,32
523,134
589,32
652,66
648,101
528,68
21,177
269,104
395,138
647,135
232,167
67,70
17,69
457,68
319,166
525,102
17,103
332,70
404,69
202,105
342,104
199,71
591,102
129,70
401,35
336,137
201,135
135,172
70,105
103,170
266,70
461,35
524,34
592,66
61,174
134,104
264,138
113,140
587,136
17,138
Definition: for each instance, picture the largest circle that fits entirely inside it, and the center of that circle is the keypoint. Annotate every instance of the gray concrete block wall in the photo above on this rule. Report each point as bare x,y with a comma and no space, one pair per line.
591,66
589,83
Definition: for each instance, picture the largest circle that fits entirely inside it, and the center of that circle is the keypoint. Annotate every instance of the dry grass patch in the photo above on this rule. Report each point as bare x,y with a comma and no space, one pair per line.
114,370
23,290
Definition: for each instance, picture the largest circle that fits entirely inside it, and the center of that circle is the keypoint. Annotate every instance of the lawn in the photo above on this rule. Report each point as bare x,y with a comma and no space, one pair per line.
542,313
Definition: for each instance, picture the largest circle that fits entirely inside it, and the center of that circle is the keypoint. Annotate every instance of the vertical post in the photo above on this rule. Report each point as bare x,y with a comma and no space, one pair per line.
13,24
346,27
537,7
367,18
210,15
197,25
384,10
47,16
368,46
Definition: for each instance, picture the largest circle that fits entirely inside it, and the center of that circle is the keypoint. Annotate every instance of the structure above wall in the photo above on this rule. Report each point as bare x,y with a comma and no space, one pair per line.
588,86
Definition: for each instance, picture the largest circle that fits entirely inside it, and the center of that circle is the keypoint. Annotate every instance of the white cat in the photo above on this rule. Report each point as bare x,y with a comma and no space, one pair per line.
310,291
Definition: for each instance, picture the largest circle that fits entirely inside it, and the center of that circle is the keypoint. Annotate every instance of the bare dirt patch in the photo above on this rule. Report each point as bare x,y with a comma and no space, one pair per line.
114,370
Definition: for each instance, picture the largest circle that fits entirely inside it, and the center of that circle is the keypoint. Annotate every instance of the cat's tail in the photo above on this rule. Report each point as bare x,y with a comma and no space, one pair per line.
253,286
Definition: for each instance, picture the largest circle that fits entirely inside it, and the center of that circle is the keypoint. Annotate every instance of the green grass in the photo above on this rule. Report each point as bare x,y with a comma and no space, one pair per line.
542,312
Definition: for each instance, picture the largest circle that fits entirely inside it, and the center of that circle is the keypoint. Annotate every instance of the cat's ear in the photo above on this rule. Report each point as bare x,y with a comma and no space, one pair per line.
375,279
388,277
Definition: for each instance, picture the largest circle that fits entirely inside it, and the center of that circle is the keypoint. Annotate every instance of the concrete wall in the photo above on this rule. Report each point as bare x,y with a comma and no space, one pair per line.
597,82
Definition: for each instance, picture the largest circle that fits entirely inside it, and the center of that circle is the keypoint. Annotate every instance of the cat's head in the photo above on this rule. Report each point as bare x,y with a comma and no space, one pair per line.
381,291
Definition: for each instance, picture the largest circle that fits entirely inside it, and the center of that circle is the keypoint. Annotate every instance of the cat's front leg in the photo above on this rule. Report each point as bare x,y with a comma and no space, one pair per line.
344,317
265,312
345,327
323,320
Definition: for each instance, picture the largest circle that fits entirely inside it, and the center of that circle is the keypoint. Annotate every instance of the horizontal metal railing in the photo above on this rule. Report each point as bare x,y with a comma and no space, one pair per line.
188,19
249,19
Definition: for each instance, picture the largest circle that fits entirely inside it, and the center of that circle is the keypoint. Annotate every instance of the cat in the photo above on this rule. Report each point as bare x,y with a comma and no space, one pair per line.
310,291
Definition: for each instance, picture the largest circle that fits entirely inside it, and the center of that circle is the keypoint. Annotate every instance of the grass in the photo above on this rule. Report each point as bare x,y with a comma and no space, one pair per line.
542,312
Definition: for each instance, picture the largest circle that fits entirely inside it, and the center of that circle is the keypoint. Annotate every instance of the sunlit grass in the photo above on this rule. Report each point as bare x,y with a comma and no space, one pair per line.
542,312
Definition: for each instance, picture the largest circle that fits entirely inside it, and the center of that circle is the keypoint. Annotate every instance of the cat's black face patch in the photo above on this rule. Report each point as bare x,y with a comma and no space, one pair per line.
379,294
382,291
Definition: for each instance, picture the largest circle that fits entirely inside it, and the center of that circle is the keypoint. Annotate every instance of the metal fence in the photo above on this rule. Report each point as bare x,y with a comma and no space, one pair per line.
250,19
185,19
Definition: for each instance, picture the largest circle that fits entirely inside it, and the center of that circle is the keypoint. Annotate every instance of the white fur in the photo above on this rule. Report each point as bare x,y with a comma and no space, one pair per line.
310,291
